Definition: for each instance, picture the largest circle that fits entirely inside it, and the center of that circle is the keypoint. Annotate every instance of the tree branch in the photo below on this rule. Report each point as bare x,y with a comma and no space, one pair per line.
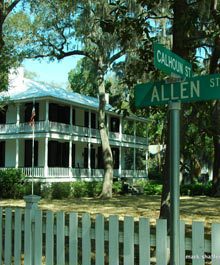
11,7
116,56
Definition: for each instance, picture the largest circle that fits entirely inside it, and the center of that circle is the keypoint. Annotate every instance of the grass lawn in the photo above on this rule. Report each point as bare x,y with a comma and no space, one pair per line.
199,208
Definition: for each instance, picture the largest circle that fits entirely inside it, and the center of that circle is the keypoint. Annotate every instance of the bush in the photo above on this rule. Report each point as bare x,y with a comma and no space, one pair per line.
196,189
93,188
117,187
60,190
37,188
12,184
78,189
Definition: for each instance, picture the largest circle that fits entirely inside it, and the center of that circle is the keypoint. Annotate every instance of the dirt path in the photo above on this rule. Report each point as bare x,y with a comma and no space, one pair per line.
200,208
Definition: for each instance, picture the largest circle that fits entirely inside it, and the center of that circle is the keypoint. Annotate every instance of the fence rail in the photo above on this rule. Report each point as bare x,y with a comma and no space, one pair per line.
36,237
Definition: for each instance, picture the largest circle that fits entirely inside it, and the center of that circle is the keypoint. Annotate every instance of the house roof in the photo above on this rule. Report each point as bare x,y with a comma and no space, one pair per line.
26,90
29,90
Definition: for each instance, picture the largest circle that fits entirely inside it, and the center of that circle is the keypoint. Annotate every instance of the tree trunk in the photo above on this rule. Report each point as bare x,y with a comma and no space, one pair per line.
106,149
179,35
216,143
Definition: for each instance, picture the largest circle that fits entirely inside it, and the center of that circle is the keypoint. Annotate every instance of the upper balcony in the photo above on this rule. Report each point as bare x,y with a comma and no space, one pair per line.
55,127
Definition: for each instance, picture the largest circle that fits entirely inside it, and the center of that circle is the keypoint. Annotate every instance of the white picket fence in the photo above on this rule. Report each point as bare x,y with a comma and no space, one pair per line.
36,237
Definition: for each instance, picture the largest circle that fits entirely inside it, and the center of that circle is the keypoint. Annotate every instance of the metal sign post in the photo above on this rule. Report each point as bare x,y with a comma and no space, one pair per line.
160,93
174,112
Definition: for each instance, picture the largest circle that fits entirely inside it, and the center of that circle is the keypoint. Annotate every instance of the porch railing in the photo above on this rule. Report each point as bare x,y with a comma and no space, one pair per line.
43,126
71,174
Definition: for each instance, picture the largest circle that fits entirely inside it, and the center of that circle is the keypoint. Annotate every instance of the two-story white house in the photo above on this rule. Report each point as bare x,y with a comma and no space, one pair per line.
67,144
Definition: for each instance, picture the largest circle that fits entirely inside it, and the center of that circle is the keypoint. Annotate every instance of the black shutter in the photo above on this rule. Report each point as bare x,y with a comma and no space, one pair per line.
65,155
114,124
73,155
52,153
93,120
53,112
100,158
85,154
92,158
3,115
115,154
74,117
2,154
86,119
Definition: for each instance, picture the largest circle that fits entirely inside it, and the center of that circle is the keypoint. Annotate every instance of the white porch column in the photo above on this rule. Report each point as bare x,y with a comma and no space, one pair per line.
18,116
46,158
120,128
70,158
134,158
147,163
108,120
71,120
120,156
17,153
89,146
47,115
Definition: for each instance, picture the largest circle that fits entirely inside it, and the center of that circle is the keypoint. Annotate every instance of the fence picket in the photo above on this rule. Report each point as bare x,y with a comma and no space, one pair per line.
8,234
113,240
128,240
144,241
161,241
60,238
215,244
73,238
34,226
86,239
1,237
38,238
198,243
182,243
17,237
49,238
27,237
99,240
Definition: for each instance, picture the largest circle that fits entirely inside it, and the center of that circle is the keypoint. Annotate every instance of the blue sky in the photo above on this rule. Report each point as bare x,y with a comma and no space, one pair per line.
52,72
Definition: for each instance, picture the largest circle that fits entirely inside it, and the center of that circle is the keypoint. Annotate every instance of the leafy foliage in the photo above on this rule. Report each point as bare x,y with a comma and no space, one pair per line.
12,184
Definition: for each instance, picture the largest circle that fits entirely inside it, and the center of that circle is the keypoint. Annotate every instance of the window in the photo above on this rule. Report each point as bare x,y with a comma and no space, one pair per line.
28,153
58,154
59,113
28,111
114,124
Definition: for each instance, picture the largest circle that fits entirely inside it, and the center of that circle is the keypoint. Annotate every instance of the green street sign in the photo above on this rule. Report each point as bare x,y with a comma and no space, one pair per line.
169,62
192,89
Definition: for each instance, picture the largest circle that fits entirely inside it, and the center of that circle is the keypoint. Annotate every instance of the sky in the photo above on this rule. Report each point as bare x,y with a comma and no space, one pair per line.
55,72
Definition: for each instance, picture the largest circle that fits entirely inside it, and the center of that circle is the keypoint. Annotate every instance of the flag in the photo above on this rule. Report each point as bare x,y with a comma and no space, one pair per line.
33,114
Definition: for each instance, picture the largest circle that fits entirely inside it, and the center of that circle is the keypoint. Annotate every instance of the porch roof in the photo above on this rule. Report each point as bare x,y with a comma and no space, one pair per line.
29,90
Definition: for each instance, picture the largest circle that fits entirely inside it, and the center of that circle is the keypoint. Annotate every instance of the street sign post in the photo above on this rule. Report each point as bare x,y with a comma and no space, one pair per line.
171,63
193,89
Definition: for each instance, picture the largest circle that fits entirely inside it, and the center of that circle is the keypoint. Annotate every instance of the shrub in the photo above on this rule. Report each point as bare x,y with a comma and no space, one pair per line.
60,190
117,187
78,189
196,189
12,184
93,188
37,188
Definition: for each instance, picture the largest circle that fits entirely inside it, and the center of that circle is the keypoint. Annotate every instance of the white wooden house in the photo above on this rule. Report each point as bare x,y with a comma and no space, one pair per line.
67,143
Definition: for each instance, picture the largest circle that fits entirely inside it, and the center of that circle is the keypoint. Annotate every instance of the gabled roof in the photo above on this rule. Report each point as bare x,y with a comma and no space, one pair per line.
29,90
